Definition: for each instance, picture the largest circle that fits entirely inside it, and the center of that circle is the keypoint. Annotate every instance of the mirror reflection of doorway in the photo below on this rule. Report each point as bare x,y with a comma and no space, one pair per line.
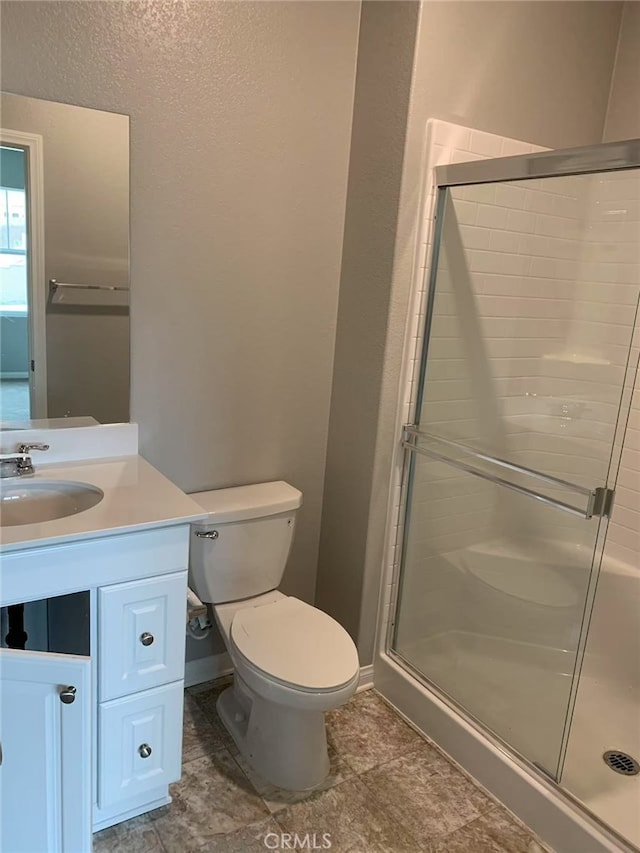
15,403
22,378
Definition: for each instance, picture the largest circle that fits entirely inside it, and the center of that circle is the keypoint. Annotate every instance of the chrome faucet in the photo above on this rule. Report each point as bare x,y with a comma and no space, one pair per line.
19,464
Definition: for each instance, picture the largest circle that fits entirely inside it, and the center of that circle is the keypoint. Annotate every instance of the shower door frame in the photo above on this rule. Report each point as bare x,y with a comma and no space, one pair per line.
594,159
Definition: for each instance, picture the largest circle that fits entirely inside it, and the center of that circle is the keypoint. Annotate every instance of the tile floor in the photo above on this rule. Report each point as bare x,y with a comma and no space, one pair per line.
389,790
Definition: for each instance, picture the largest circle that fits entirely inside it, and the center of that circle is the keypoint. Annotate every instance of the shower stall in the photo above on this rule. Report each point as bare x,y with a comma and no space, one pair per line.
517,608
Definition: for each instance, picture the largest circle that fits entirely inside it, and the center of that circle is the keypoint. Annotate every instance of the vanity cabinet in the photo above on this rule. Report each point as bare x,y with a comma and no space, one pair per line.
77,761
140,684
46,752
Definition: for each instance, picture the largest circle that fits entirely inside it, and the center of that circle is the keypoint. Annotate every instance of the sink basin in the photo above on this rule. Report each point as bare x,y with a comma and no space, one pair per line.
33,501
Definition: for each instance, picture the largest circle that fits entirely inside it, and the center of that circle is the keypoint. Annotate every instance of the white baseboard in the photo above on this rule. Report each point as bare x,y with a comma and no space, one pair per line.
206,669
215,666
366,678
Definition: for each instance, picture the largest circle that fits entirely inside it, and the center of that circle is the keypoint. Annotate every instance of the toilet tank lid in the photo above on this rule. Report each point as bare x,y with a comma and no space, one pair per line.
244,502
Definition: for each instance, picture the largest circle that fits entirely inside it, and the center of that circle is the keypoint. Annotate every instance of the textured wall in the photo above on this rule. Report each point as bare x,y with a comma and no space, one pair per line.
623,116
479,64
240,132
387,37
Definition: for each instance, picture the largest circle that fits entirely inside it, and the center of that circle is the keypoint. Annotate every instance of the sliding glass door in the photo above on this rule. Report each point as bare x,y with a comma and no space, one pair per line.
525,387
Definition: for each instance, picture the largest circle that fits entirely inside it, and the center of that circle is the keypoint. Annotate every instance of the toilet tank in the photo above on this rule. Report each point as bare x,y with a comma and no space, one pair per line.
243,547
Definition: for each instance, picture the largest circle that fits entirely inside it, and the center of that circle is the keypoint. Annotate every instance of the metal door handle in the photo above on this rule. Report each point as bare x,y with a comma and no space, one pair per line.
599,500
145,750
146,639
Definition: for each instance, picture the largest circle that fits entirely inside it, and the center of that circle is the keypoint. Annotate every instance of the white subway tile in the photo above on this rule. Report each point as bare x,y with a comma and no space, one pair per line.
490,216
485,144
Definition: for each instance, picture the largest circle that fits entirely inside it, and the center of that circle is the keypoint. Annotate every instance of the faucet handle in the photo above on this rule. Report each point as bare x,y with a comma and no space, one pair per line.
27,448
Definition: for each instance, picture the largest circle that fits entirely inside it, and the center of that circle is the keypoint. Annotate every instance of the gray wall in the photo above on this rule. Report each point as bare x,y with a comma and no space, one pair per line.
240,133
623,116
537,71
86,210
385,56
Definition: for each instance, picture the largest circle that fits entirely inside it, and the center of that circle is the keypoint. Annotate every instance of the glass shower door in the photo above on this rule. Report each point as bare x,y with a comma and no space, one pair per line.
525,386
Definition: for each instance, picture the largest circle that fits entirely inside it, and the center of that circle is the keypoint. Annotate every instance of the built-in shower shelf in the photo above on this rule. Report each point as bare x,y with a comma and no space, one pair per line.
575,358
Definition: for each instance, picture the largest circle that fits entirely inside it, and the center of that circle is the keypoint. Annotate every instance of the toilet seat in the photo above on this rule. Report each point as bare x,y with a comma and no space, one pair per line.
295,644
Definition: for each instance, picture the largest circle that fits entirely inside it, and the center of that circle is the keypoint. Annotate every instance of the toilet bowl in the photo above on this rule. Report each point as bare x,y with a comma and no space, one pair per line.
292,662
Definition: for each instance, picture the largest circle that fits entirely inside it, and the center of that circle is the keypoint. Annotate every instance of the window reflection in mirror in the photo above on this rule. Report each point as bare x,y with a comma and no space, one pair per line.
64,263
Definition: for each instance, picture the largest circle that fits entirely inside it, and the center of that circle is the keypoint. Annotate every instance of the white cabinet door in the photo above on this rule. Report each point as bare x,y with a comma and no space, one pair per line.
45,774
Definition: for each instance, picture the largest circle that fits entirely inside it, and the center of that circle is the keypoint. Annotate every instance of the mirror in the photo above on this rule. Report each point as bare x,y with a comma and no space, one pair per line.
64,263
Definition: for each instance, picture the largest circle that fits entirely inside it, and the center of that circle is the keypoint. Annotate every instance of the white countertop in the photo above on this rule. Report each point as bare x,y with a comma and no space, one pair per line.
136,497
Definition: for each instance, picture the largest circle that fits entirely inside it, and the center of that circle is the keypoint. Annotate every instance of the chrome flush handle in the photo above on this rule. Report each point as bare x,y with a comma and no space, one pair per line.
207,534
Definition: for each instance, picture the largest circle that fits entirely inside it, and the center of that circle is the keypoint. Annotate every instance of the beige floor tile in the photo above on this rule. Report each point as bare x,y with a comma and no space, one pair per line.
205,697
137,835
213,798
199,736
353,821
254,838
366,732
493,832
407,798
426,794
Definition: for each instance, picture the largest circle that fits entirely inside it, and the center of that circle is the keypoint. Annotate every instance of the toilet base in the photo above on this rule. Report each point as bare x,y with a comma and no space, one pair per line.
286,746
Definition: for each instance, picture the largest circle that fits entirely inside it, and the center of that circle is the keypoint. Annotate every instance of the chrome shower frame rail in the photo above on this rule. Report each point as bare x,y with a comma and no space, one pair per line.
599,499
606,157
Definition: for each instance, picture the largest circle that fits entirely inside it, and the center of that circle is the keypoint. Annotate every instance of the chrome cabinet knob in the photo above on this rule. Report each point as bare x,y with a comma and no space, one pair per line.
144,750
207,534
68,695
146,639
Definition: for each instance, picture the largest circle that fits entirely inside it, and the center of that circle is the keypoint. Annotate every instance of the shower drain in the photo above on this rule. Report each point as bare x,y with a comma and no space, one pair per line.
621,762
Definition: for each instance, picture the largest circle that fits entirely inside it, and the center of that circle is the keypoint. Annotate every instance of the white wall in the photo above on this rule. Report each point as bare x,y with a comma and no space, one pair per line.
240,132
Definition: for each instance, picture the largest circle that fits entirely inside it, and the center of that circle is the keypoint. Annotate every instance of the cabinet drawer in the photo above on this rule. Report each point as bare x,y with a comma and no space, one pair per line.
141,634
140,741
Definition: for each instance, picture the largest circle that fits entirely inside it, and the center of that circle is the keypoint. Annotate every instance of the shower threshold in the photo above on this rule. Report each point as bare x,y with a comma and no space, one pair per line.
561,819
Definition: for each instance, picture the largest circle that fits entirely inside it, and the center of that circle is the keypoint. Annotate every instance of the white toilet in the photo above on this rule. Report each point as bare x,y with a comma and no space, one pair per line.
292,661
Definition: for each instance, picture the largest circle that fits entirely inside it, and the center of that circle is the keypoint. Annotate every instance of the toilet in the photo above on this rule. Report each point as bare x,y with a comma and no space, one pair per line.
292,662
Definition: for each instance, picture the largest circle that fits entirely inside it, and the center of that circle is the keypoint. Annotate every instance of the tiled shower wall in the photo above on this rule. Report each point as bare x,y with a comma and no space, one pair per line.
550,363
616,230
623,539
445,143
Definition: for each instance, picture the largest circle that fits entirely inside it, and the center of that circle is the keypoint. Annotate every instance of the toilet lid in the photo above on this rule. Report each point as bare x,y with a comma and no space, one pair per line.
296,644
